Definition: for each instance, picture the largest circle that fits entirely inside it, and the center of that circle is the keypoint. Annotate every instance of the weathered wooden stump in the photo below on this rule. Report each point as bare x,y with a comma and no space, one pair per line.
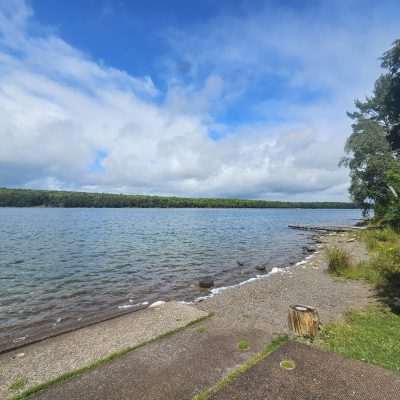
303,320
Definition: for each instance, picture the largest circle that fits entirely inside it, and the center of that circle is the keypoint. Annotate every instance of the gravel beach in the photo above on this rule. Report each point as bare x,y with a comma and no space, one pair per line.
263,303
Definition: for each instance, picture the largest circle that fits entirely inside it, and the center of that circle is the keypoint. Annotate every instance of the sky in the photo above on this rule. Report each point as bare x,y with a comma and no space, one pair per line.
243,99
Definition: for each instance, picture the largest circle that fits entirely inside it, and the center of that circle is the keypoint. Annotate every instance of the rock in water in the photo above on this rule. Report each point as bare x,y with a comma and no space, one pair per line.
309,249
261,267
206,283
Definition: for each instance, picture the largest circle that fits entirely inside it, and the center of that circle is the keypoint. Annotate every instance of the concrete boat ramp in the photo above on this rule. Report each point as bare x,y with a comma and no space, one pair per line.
44,361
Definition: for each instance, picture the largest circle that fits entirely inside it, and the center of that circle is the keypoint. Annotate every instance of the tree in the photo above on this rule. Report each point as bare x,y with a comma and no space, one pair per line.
369,159
384,106
373,148
392,214
391,61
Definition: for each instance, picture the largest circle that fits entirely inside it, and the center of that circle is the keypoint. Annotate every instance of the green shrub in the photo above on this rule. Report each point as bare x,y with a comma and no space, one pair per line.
338,261
383,265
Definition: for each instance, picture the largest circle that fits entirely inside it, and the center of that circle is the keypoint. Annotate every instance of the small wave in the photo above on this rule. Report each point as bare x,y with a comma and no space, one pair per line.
216,291
127,306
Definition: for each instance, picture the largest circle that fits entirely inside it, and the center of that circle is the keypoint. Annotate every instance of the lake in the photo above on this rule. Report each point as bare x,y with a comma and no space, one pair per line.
64,266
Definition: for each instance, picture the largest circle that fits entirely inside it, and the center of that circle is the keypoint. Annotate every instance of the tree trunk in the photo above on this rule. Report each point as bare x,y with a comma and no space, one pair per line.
303,320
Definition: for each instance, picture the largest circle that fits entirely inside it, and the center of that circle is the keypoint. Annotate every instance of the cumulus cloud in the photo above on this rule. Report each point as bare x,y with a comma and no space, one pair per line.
70,122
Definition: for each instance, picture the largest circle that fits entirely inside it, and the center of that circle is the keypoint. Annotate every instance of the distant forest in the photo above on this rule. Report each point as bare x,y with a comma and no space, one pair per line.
46,198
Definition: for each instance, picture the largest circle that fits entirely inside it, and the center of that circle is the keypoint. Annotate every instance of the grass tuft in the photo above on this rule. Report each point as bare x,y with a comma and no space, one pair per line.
288,364
244,345
202,329
18,384
338,261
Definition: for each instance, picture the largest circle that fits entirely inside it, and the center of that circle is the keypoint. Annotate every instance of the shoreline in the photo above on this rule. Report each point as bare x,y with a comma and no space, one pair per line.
255,311
19,342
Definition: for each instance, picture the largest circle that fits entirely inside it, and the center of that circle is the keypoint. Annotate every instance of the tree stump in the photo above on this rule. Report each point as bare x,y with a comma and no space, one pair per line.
303,320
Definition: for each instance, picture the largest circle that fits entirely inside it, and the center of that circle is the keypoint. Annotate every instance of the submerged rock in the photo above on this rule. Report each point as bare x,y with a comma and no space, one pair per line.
206,282
261,267
240,263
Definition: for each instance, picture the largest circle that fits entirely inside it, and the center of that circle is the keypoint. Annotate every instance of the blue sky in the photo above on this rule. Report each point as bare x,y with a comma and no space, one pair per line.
227,98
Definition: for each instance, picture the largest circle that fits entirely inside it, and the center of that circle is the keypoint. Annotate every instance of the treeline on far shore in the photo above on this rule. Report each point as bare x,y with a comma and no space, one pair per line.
47,198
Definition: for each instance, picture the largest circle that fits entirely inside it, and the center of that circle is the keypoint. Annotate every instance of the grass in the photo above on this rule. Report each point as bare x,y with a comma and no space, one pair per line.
288,364
18,384
205,395
202,329
244,345
338,261
382,268
68,375
371,335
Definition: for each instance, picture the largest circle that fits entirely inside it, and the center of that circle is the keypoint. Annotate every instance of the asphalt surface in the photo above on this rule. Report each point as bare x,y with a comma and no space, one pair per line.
318,375
40,362
176,367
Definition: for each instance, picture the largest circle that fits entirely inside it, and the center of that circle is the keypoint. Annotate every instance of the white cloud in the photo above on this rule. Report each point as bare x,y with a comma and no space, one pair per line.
59,109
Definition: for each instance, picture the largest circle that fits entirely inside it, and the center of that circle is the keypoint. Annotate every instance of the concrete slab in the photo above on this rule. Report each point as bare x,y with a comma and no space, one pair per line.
40,362
174,368
318,375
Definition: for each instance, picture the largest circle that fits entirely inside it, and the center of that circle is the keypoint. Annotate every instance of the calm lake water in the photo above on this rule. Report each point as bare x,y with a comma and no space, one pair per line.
58,266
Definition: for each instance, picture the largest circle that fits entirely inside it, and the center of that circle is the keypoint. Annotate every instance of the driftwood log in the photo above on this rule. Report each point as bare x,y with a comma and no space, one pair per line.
303,320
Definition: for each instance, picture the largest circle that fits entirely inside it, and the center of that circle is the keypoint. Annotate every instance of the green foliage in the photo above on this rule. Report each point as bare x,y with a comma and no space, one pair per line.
384,105
244,345
392,213
371,336
18,384
45,198
202,329
383,266
374,146
370,160
338,261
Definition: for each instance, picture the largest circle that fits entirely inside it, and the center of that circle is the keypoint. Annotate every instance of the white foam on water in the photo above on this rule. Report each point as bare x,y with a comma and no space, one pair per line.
218,290
157,304
126,306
